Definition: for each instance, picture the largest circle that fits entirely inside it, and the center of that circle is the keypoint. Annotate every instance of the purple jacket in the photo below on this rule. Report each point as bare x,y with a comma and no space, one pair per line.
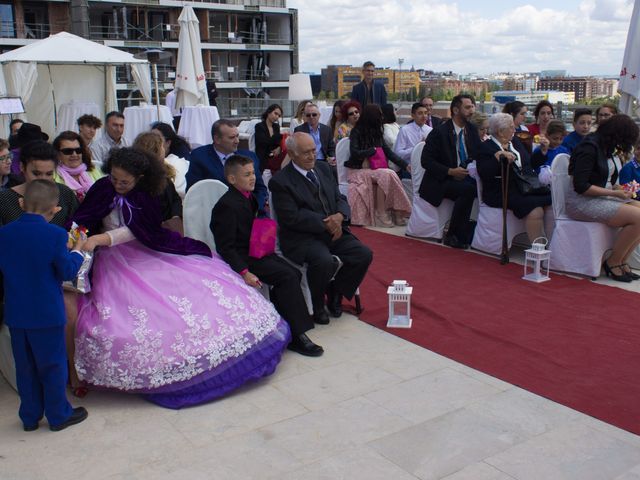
141,213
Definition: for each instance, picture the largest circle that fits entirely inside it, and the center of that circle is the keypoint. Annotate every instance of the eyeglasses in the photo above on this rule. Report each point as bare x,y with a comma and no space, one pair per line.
310,115
70,151
6,158
355,112
121,183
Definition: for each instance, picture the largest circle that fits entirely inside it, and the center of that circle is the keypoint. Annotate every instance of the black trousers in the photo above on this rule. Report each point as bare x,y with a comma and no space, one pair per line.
355,256
286,294
463,193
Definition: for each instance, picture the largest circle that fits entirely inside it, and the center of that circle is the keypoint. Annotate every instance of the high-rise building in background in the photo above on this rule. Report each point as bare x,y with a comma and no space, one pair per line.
249,47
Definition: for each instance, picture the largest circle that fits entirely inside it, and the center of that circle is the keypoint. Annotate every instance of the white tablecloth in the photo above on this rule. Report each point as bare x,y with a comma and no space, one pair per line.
139,119
195,124
68,114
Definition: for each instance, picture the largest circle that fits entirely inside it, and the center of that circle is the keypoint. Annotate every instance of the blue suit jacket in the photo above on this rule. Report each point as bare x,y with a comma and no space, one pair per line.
35,261
205,163
359,90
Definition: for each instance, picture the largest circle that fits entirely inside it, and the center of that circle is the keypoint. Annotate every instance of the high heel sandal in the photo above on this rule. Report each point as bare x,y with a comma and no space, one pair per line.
626,278
627,269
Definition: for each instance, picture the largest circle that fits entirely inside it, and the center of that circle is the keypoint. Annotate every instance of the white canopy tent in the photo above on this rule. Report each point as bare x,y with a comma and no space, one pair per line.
629,84
62,68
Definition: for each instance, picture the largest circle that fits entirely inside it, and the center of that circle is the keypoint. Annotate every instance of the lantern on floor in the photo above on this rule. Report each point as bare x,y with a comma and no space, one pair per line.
399,304
533,258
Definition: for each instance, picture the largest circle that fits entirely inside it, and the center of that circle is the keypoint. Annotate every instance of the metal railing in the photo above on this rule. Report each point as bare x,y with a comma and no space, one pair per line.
249,3
162,32
217,35
252,107
35,31
245,74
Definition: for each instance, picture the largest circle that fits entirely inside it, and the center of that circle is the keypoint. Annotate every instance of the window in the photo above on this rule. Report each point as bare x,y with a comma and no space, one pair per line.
7,29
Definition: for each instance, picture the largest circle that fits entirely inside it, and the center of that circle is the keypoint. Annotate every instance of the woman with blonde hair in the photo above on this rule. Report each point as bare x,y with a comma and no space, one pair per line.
298,119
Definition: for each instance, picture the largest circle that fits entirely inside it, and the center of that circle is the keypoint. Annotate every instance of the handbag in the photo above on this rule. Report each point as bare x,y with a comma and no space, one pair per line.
263,237
529,184
378,160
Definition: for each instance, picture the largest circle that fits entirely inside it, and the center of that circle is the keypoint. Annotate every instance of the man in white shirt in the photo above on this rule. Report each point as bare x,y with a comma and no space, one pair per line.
412,133
112,137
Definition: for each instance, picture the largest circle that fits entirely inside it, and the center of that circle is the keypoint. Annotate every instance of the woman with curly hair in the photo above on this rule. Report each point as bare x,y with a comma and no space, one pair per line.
164,318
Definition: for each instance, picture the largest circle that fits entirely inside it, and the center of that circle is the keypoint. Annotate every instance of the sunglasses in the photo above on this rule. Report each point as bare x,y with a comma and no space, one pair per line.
355,112
6,158
311,115
70,151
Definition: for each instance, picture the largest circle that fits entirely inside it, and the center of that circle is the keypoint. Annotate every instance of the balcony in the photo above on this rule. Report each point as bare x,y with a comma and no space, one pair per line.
162,32
217,35
32,31
222,74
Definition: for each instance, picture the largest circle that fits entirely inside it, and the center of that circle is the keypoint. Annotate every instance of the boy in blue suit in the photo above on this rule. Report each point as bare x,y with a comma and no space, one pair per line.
35,261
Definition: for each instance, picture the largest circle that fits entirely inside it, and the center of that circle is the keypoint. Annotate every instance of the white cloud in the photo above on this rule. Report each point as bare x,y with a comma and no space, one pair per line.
439,35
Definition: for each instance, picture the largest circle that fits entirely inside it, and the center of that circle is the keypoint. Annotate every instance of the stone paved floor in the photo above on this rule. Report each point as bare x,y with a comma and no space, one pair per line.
373,407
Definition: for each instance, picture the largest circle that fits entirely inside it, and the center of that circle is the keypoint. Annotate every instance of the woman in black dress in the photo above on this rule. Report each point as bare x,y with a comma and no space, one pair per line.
268,136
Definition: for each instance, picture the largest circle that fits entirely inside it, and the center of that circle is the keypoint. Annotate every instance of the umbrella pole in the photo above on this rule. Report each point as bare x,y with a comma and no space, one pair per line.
155,83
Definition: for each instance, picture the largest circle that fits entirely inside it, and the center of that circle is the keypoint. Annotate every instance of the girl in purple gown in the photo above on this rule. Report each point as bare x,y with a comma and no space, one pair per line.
163,317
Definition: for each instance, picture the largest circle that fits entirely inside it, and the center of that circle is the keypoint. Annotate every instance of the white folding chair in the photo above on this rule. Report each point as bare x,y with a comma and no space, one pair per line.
342,155
488,234
426,221
576,247
196,211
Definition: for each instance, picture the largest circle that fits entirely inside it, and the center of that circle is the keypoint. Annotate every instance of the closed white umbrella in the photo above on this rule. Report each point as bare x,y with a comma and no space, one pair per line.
629,84
190,85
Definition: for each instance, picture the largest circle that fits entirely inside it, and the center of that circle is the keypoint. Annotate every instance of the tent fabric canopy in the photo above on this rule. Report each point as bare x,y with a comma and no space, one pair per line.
60,69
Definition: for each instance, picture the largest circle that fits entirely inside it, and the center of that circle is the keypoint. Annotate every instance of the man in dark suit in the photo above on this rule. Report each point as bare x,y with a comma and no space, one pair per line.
368,90
432,120
448,150
231,224
208,161
321,134
311,214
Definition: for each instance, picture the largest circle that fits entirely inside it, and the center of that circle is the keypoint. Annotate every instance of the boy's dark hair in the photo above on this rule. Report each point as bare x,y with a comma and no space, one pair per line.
89,120
415,107
40,196
580,112
38,150
234,162
556,126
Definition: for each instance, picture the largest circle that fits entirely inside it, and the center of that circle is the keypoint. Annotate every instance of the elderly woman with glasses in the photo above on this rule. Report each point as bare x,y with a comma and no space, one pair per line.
75,169
7,179
351,115
500,148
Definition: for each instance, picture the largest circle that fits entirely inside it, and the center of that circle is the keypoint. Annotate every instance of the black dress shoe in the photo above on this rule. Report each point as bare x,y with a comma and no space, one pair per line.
78,415
320,316
304,346
453,242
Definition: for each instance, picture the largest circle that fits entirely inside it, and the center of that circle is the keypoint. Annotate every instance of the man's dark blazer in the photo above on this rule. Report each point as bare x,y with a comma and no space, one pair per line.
299,211
436,121
439,155
326,138
205,163
231,222
359,92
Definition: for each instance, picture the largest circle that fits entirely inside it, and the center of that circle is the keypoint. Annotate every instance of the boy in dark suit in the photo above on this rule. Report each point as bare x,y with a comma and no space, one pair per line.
35,261
231,223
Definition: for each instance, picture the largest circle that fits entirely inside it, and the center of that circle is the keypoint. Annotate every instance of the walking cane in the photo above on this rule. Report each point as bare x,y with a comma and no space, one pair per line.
504,254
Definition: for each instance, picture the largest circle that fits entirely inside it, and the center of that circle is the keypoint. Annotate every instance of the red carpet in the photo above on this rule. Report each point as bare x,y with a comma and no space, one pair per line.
572,341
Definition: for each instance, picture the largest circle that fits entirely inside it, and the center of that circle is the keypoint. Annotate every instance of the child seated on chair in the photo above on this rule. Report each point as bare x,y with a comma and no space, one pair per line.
35,259
550,145
231,223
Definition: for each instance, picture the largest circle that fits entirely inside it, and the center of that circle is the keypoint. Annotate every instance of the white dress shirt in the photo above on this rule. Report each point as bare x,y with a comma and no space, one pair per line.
408,137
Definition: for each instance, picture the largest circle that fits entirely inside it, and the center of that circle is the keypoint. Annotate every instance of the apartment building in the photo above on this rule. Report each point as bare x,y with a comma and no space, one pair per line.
340,79
249,47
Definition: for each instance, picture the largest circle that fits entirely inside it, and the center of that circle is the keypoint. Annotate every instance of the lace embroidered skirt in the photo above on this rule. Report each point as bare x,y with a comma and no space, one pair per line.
182,329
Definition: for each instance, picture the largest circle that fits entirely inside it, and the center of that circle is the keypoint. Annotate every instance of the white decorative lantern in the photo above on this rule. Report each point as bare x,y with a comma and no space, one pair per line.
533,259
300,87
399,304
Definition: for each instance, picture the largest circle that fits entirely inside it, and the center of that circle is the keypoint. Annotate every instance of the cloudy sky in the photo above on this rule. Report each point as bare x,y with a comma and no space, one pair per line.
584,37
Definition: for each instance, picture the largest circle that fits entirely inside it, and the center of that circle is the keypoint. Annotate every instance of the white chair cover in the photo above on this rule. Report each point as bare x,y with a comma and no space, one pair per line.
7,364
488,235
252,141
197,206
426,221
304,283
576,246
342,155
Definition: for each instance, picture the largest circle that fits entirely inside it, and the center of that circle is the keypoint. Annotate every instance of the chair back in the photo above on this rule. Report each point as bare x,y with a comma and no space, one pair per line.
342,155
417,172
197,206
252,141
560,184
